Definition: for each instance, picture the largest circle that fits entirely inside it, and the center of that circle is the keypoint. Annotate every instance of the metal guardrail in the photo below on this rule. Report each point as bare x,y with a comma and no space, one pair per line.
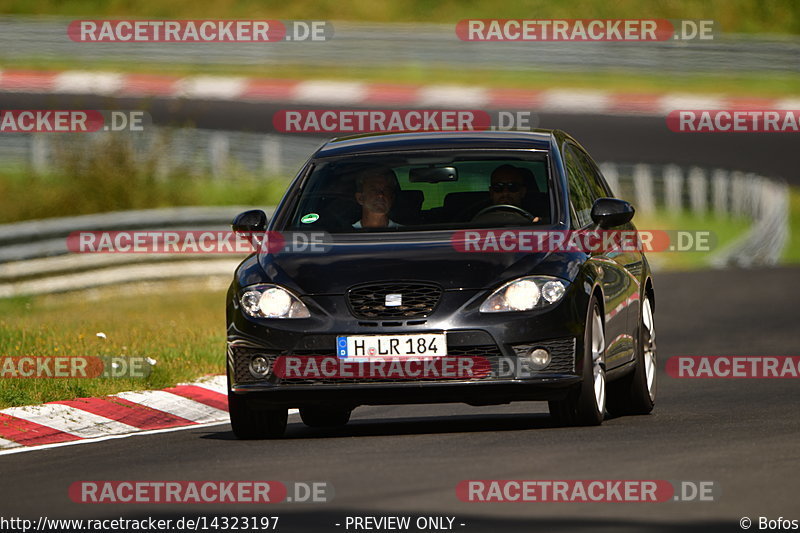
717,193
415,45
34,258
220,154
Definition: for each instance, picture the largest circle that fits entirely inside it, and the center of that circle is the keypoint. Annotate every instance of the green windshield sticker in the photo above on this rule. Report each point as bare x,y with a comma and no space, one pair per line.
309,218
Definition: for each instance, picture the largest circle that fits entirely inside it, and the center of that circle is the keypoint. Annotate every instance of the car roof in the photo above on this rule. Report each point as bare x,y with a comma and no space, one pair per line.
437,140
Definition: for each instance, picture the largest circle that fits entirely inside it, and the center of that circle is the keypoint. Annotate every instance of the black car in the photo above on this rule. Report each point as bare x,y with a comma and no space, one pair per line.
414,294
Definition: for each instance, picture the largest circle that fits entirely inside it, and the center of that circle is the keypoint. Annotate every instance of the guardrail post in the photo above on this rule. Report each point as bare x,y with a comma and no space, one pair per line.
218,149
720,184
40,152
643,188
698,187
754,196
271,163
673,188
737,193
611,174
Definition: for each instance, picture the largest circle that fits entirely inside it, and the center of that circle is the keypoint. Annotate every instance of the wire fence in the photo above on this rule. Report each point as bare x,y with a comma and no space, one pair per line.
413,45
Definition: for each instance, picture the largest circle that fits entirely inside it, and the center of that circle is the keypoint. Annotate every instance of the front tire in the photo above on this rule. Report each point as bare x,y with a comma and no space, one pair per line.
635,394
249,423
585,405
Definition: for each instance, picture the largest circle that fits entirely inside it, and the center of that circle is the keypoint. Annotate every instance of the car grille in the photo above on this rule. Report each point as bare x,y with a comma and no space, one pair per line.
418,300
561,350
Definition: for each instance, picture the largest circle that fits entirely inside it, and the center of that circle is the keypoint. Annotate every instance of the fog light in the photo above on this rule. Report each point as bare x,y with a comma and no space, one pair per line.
539,358
259,366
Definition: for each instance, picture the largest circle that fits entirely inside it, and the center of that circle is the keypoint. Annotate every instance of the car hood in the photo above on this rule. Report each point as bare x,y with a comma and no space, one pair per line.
389,258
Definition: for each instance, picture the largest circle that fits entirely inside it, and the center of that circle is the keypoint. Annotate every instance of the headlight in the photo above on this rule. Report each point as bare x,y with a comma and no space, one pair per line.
525,294
271,301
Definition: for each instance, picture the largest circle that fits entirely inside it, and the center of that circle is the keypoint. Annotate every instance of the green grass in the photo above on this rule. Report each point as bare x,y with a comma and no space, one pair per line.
184,333
792,252
50,197
747,16
723,230
111,178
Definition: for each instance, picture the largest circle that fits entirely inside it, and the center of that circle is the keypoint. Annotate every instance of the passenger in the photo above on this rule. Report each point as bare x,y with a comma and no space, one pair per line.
376,190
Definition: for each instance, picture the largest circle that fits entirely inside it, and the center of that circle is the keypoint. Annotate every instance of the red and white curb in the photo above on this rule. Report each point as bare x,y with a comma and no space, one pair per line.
201,403
319,92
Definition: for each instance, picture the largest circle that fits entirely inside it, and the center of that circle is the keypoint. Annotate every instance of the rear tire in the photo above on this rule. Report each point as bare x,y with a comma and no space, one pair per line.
585,405
324,417
635,394
249,423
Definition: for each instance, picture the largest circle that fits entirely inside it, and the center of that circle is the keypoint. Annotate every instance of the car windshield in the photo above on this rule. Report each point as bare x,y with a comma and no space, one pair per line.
425,191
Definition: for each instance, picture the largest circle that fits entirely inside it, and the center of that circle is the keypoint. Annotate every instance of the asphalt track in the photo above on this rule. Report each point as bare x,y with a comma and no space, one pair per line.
623,139
404,460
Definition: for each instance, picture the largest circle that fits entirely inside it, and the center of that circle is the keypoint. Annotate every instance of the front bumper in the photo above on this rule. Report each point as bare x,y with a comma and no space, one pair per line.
401,393
497,339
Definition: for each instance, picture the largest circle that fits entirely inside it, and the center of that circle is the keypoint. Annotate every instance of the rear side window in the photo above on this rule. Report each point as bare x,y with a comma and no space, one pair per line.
593,175
581,195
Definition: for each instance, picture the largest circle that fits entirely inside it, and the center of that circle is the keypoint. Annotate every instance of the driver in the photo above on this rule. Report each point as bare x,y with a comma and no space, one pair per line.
376,189
507,186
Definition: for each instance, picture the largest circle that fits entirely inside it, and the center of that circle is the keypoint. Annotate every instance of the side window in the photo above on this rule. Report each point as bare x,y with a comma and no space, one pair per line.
592,174
580,193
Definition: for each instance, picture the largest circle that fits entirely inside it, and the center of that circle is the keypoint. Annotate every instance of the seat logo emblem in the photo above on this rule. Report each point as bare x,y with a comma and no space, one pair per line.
394,300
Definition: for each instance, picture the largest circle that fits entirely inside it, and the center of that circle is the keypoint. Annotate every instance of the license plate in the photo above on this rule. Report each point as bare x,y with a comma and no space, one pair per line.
425,345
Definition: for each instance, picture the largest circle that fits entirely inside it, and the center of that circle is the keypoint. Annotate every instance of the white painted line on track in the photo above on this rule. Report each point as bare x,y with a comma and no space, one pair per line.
788,103
330,92
211,87
576,100
453,96
672,102
77,82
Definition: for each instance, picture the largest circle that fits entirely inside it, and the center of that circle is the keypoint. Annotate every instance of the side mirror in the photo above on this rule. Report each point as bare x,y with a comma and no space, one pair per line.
611,212
254,220
253,223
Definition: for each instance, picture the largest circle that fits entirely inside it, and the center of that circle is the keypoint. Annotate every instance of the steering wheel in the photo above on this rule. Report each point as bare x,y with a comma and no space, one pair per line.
506,207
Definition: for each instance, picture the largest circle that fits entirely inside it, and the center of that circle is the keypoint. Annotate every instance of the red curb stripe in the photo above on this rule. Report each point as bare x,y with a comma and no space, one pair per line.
148,85
259,89
523,98
634,102
30,433
201,395
382,93
750,104
27,80
127,412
